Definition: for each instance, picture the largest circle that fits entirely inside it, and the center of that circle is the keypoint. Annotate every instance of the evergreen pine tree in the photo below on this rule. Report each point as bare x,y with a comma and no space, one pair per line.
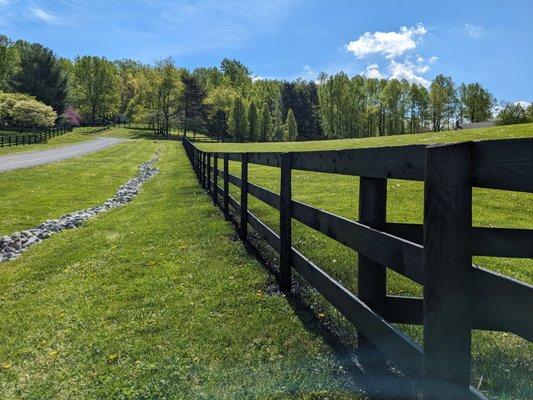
253,122
264,129
292,129
278,128
237,120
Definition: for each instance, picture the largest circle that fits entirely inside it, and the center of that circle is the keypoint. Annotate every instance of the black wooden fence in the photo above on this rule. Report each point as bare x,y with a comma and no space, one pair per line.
32,138
457,296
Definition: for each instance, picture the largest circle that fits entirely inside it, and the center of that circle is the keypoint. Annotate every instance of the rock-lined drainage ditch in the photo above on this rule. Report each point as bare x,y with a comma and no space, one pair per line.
13,246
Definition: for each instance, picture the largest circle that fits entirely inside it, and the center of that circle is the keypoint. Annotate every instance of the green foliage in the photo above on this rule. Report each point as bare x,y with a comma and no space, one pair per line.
8,62
128,72
529,113
236,75
339,106
476,102
39,74
238,124
94,88
253,123
292,128
443,100
21,110
302,98
511,113
265,128
193,110
278,127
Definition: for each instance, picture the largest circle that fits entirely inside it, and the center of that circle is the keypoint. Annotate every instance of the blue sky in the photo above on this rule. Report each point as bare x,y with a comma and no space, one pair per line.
490,42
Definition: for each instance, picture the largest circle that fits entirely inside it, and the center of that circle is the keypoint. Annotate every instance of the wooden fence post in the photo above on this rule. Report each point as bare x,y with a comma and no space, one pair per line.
204,158
285,223
215,179
197,163
208,172
447,272
226,185
371,276
243,231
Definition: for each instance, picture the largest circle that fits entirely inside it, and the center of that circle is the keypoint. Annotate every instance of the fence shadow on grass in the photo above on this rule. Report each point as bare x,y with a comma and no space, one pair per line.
376,383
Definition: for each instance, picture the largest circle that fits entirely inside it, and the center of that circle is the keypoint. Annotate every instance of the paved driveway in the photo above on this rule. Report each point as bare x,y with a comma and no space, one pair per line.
31,159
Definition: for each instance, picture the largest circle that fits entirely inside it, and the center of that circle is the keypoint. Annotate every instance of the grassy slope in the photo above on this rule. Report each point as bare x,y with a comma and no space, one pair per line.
74,137
504,361
128,133
497,132
52,190
154,300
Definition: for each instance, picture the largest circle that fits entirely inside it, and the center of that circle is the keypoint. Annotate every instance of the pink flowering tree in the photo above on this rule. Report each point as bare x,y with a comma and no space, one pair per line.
71,116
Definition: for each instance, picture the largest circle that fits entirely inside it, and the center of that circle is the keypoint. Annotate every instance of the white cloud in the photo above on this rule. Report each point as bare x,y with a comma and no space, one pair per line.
474,31
523,103
391,44
43,15
433,59
309,73
372,71
409,71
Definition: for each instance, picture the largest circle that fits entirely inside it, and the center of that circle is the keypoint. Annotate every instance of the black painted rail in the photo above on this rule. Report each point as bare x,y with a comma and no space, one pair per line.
32,138
457,296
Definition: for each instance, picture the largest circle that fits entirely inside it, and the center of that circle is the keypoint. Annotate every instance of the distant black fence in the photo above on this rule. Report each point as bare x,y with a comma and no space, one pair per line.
457,296
31,138
97,129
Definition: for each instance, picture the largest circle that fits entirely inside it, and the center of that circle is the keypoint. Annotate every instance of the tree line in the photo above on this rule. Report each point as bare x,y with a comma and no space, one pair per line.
228,100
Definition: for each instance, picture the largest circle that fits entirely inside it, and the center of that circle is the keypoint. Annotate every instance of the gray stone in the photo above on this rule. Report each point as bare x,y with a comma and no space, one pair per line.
12,246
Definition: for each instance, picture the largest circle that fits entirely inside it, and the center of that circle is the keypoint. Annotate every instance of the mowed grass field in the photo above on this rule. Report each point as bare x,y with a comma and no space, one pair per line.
158,299
153,300
32,195
76,136
503,363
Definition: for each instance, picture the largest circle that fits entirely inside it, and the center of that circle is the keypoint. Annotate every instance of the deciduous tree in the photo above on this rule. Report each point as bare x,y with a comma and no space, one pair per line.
476,102
94,88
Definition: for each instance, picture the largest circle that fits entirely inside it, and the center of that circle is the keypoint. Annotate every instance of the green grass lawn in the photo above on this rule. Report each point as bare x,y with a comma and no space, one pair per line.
51,190
503,363
76,136
158,299
129,133
496,132
153,300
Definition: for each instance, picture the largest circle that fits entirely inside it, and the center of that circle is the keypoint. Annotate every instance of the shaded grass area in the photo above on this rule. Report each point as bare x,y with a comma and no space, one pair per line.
157,300
503,363
129,133
76,136
31,195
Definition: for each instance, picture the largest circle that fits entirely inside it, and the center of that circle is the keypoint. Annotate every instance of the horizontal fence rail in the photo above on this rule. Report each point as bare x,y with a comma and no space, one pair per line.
457,295
32,138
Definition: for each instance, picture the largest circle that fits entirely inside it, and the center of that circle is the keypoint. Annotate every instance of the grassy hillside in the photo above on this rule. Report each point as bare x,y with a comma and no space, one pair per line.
503,363
154,300
496,132
52,190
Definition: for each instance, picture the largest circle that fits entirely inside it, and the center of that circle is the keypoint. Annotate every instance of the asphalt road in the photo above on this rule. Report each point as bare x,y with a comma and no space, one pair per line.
31,159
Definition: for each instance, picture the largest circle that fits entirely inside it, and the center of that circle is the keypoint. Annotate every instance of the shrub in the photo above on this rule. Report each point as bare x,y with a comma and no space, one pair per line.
21,110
